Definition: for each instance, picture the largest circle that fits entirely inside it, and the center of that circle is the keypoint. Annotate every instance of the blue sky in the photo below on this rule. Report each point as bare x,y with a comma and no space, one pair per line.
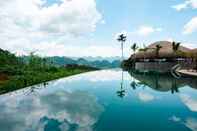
130,15
88,27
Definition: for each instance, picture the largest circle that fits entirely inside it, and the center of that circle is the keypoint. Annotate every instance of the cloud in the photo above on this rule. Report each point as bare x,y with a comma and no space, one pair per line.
191,26
186,4
31,23
175,119
147,30
190,45
181,6
101,76
61,109
189,122
189,102
72,17
145,97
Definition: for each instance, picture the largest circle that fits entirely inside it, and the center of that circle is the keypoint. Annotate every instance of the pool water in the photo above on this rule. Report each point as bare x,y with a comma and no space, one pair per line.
106,100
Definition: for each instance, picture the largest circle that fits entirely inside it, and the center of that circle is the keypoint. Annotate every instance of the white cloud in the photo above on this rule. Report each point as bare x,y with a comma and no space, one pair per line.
54,49
190,45
191,123
67,108
189,102
30,23
147,30
175,119
191,26
186,4
181,6
101,76
145,97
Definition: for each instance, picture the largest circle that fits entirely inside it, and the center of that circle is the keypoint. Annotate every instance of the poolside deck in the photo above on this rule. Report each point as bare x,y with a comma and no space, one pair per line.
188,72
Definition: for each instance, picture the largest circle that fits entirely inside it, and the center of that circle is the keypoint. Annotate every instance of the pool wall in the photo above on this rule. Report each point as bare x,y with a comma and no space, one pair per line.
162,66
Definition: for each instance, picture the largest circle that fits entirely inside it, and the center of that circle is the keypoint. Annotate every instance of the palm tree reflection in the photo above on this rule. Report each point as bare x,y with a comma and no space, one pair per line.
121,92
174,87
133,85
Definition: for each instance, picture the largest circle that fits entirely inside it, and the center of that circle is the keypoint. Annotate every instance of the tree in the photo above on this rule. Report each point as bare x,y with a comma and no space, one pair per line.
35,62
175,47
134,47
122,38
144,49
157,49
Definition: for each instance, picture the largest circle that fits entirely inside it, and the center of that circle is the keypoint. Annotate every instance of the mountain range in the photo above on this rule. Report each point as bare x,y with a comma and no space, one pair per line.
98,62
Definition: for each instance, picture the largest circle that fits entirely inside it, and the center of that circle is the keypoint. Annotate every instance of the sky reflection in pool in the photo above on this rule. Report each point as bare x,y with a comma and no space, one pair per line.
101,101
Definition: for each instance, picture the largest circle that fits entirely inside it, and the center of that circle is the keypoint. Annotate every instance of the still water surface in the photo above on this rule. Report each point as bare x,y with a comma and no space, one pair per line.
106,100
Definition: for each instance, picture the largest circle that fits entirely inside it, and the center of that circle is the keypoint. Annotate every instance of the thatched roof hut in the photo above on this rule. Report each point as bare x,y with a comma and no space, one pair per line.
165,52
194,50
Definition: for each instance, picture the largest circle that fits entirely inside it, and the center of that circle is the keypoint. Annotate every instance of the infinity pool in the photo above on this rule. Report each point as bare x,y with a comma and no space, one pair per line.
106,100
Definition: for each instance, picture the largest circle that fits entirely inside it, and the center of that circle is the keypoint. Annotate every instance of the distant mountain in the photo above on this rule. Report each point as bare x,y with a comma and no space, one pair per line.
90,58
88,61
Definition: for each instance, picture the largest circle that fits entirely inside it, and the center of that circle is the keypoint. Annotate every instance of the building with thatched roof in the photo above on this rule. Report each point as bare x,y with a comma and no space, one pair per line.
194,51
166,51
163,59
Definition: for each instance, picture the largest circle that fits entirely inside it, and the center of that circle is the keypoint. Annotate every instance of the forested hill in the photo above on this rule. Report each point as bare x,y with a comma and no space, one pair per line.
19,72
7,58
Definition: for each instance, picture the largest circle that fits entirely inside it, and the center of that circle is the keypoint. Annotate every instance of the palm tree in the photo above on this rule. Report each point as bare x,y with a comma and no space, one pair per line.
122,38
145,49
175,47
134,47
158,48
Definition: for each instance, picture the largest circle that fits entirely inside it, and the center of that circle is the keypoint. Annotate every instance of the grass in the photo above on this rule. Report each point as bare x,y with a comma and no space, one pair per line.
29,77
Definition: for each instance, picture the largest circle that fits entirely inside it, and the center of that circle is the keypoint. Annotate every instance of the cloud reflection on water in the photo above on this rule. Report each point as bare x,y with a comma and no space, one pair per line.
189,101
63,110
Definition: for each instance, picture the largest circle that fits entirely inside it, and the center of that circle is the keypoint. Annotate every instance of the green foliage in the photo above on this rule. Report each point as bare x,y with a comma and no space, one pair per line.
175,46
158,48
134,47
6,58
34,71
122,38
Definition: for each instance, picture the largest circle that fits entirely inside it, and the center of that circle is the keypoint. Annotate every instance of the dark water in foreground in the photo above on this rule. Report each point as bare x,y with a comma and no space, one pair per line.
101,101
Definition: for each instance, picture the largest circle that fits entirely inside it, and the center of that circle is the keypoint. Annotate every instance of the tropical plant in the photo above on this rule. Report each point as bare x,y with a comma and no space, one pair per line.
122,38
144,50
175,47
157,49
134,47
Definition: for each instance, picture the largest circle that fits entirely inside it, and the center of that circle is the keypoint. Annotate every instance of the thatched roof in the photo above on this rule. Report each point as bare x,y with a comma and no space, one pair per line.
194,50
165,52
